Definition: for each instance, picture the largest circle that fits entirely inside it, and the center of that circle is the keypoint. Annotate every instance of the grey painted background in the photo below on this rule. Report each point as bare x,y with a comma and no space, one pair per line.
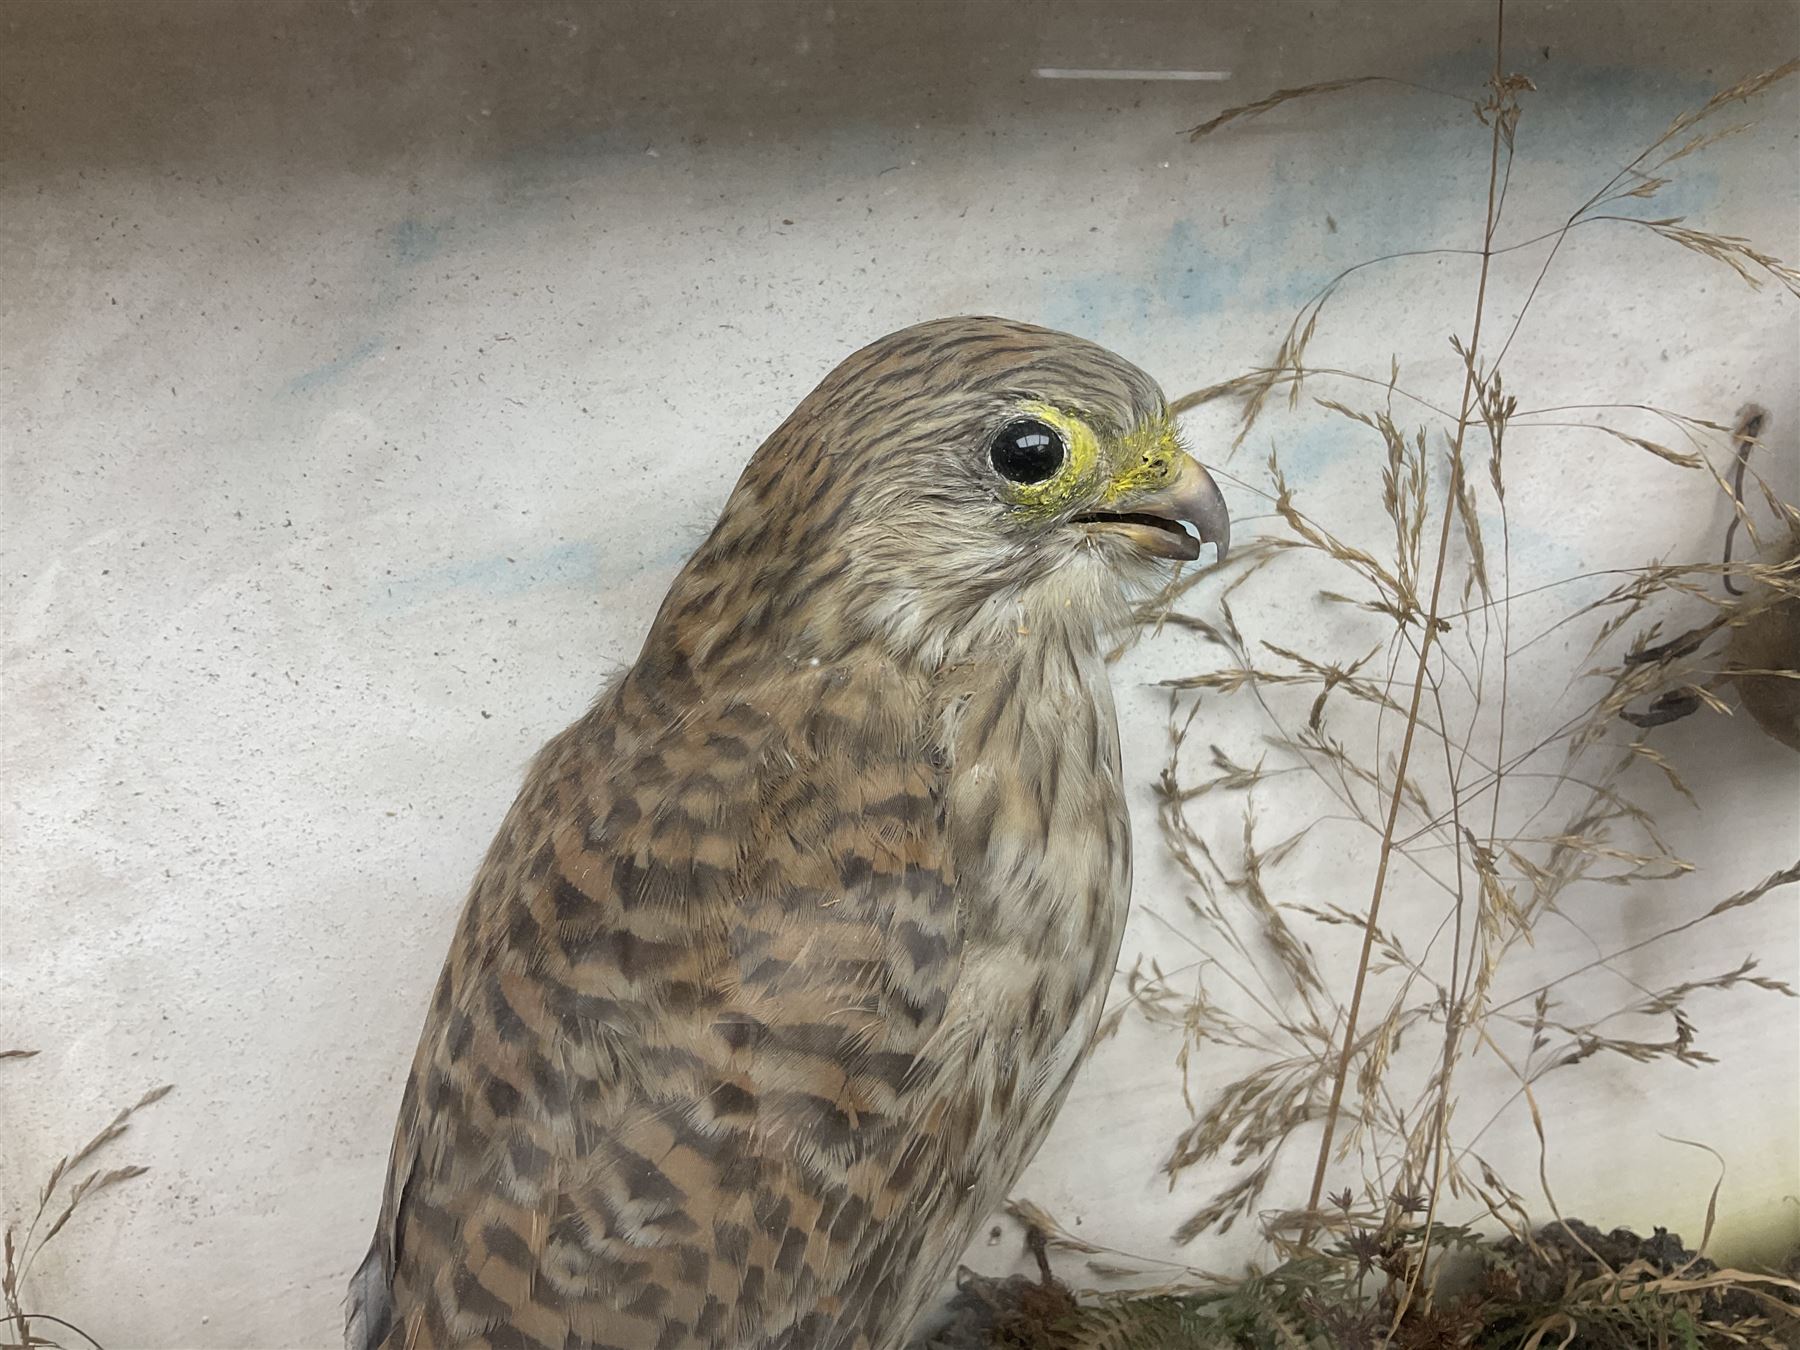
369,368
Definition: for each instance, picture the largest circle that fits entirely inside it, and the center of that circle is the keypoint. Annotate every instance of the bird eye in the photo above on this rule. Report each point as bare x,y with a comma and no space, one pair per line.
1027,451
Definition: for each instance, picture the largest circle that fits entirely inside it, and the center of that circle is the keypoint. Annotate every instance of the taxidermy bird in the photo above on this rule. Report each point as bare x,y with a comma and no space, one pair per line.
1762,655
785,955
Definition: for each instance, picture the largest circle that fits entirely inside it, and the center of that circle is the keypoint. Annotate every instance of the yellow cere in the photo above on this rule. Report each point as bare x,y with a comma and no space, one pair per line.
1148,457
1143,460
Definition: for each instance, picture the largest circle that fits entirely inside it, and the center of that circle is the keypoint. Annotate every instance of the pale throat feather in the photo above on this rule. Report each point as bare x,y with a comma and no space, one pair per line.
1036,816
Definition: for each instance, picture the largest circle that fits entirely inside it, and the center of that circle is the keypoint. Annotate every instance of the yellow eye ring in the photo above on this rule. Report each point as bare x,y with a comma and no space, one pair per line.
1042,498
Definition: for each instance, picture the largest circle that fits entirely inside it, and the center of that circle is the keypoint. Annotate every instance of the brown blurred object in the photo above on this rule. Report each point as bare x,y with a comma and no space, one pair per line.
1762,656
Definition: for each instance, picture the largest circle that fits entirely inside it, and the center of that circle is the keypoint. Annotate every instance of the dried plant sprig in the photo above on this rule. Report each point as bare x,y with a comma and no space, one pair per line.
58,1202
1570,820
1281,96
1737,253
1502,131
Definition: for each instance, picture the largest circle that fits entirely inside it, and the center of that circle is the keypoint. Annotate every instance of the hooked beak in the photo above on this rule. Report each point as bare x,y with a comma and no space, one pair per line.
1155,521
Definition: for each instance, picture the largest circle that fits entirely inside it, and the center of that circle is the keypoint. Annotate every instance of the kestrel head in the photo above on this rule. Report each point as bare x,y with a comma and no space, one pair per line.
945,487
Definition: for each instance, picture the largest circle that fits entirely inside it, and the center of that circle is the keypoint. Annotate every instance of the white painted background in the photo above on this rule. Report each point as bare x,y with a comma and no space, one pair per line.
370,367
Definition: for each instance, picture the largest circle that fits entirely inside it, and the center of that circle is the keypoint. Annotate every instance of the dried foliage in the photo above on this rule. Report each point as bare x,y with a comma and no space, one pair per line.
1407,727
1567,1284
60,1196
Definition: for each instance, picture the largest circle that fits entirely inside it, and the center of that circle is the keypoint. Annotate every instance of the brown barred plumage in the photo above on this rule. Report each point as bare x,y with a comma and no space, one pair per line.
786,953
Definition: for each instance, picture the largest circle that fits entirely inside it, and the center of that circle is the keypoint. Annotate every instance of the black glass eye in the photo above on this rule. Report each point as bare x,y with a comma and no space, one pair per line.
1027,451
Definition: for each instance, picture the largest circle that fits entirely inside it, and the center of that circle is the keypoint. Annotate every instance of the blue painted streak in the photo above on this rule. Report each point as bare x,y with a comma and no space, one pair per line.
572,563
332,371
